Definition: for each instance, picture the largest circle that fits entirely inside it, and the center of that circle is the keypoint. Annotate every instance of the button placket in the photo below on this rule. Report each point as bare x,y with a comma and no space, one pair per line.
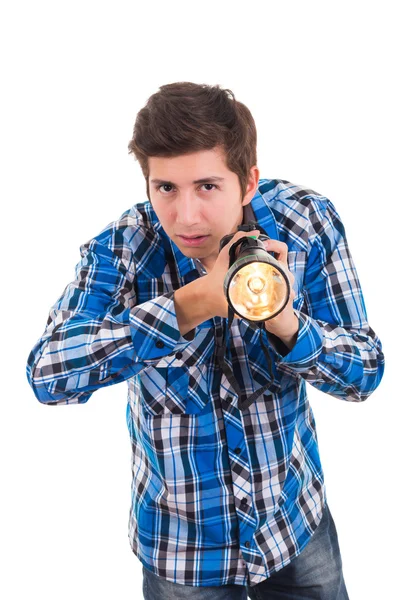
241,478
238,459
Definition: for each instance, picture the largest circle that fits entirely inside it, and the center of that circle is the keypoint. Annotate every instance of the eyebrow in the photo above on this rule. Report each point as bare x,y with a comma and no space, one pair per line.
203,180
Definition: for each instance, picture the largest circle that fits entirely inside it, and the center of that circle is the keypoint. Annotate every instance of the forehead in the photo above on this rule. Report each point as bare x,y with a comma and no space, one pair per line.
194,165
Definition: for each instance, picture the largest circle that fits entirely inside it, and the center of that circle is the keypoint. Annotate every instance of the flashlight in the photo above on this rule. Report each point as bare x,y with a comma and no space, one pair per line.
257,285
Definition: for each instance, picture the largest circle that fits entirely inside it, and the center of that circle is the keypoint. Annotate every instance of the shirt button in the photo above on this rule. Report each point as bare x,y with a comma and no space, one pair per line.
178,355
237,450
247,544
244,501
159,344
229,398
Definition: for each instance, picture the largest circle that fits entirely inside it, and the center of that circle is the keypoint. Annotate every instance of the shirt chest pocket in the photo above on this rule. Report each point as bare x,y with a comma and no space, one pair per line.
177,390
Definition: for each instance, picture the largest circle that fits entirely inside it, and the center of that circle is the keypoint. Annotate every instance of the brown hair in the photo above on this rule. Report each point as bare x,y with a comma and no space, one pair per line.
185,117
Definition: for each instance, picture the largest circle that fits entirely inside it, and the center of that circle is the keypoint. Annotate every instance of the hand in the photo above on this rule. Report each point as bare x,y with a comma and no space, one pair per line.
214,280
285,325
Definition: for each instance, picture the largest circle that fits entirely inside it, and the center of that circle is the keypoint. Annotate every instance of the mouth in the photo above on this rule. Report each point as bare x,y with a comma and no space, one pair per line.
193,240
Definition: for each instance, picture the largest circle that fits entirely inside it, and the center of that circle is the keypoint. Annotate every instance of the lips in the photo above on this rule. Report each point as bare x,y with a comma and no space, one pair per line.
193,241
191,237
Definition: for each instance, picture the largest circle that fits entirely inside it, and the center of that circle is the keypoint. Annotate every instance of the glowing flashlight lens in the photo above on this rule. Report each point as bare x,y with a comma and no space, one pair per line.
258,290
256,284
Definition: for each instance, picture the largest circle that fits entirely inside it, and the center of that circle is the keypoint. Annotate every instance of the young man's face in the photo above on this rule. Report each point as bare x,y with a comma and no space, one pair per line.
211,208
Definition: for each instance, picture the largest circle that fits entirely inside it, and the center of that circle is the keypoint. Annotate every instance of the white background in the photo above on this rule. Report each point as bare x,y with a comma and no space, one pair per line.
319,80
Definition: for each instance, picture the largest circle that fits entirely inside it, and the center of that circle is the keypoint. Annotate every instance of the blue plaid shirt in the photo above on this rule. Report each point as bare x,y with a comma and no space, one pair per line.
219,496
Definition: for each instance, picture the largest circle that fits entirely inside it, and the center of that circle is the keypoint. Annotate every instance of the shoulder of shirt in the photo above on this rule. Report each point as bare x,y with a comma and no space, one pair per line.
298,210
134,236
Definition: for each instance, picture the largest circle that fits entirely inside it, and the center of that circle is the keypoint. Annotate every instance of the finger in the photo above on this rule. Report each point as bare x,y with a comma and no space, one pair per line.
279,248
238,235
242,234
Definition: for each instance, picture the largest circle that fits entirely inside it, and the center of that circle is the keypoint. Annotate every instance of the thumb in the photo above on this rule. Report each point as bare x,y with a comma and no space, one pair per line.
238,235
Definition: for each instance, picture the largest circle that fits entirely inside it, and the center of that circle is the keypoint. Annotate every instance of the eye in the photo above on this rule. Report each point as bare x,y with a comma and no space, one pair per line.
168,185
163,185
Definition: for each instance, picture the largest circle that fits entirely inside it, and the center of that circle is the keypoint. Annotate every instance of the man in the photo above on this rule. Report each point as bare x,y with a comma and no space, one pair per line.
225,501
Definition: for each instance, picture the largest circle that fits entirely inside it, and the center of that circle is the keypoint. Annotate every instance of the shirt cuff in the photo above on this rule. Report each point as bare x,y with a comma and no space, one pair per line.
307,347
154,328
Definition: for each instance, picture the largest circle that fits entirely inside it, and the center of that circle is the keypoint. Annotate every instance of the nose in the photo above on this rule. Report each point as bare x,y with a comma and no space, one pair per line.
188,210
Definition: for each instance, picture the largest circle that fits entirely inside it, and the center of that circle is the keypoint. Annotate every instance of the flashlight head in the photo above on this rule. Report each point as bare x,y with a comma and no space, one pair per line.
256,286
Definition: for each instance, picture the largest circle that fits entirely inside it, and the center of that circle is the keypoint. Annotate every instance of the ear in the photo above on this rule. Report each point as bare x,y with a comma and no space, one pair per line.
252,185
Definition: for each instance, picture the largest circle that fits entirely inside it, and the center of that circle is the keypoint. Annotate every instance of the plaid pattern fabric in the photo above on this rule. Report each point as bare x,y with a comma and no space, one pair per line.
219,496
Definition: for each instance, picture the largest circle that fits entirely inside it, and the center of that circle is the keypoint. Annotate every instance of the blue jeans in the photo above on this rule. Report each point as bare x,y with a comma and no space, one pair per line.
316,573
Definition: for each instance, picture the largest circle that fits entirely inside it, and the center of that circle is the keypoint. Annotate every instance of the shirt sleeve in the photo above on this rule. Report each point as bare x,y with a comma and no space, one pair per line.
336,350
96,335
